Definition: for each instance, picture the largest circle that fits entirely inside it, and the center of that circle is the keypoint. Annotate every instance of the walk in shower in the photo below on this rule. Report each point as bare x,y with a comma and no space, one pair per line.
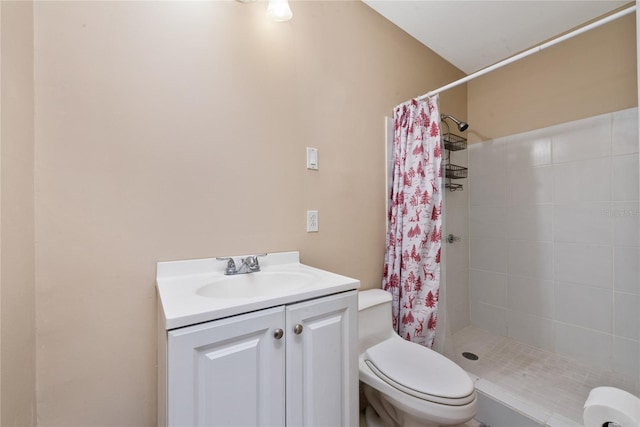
543,283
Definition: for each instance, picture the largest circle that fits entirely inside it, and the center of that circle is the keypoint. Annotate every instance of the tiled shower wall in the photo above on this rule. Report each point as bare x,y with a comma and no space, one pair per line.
456,222
553,239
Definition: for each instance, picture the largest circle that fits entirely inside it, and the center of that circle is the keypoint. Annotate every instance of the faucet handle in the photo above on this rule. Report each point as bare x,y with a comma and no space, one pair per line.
231,265
252,262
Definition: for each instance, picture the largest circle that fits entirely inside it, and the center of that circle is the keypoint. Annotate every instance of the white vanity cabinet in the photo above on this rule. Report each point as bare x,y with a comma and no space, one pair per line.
227,372
290,365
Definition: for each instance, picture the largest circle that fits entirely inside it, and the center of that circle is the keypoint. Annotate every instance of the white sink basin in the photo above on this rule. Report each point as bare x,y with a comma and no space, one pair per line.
253,285
197,291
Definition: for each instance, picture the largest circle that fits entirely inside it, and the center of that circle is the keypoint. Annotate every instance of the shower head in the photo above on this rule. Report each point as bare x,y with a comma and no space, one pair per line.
462,126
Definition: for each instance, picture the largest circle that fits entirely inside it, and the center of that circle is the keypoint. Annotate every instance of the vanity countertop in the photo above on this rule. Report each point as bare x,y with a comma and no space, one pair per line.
196,291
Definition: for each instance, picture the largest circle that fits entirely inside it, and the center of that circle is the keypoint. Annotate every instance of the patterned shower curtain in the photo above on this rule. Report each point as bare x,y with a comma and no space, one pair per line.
412,260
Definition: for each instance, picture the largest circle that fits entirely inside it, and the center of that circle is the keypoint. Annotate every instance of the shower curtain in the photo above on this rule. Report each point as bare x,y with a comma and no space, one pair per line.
412,259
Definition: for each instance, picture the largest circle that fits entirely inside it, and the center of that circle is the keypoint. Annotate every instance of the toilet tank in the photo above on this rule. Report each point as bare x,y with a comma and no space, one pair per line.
374,317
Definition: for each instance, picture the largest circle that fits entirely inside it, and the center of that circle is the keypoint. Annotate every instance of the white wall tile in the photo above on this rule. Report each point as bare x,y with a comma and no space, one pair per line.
583,263
626,269
530,329
457,199
531,259
533,296
581,139
457,299
528,149
487,158
528,186
457,220
625,178
489,254
456,223
460,157
625,131
487,221
627,312
488,287
582,181
457,284
583,223
459,316
457,252
626,357
491,318
554,212
626,224
584,306
488,190
533,222
589,346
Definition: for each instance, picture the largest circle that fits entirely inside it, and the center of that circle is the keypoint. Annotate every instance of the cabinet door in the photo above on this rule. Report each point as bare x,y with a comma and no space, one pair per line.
228,372
322,362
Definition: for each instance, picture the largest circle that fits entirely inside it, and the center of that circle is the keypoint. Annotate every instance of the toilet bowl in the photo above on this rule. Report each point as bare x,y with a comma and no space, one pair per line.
407,384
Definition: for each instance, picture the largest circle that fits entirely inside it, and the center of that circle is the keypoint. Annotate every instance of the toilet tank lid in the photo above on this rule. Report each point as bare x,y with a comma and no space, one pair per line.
372,297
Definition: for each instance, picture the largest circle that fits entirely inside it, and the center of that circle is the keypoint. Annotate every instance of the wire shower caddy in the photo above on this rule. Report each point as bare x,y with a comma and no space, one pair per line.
453,142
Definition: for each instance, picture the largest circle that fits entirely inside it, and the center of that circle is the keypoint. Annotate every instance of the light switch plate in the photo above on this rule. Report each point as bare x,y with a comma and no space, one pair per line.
312,158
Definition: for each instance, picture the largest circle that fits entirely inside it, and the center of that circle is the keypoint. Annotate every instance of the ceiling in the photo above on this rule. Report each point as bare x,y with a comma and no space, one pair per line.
473,34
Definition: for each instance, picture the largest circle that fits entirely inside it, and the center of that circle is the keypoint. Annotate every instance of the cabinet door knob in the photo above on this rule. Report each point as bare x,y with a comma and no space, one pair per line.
278,333
297,329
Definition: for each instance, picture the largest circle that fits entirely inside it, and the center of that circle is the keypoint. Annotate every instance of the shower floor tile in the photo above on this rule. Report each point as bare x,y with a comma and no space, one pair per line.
553,381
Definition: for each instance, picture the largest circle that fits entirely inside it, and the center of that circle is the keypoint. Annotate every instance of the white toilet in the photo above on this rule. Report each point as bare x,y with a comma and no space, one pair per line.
407,384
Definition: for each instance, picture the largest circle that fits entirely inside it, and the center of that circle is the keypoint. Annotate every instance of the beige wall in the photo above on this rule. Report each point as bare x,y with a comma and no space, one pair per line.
591,74
17,285
1,212
176,130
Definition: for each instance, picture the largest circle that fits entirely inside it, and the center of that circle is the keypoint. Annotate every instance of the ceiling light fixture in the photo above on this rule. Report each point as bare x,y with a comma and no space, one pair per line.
279,10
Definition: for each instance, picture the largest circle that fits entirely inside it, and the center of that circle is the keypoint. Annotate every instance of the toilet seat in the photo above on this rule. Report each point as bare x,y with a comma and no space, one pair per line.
420,372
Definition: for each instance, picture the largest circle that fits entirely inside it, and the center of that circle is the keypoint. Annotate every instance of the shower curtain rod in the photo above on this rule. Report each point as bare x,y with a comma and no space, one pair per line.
530,51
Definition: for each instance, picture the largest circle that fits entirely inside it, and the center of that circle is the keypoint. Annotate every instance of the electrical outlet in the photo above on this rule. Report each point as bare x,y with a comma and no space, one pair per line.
312,221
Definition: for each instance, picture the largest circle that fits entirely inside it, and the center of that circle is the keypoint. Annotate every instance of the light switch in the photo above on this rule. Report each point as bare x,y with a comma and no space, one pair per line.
312,158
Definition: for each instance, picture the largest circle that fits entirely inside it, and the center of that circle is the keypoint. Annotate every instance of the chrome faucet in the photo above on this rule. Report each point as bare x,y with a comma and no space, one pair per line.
249,264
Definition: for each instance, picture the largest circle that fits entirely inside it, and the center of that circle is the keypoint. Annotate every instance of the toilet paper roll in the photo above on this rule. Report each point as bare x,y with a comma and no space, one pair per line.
611,405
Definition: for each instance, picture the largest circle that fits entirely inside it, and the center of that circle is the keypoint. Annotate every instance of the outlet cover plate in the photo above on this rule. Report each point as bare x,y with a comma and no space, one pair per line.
312,221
